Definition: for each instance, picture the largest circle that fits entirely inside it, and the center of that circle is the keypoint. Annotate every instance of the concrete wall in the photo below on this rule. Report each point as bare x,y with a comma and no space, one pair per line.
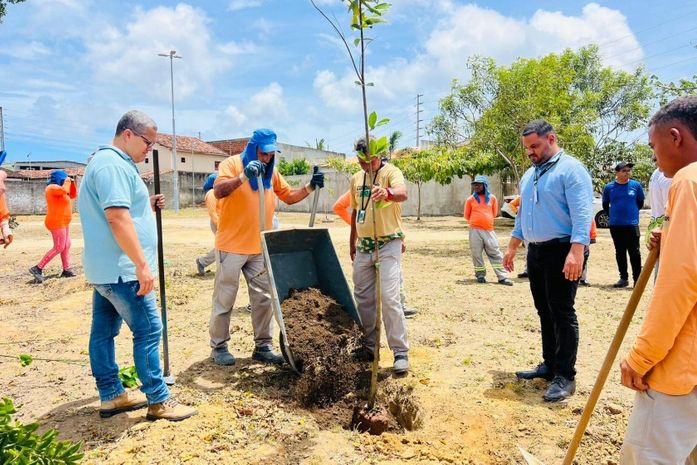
26,197
436,200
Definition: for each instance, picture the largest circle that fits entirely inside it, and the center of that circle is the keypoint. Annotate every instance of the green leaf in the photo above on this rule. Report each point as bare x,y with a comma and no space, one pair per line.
25,359
382,121
369,84
372,118
356,41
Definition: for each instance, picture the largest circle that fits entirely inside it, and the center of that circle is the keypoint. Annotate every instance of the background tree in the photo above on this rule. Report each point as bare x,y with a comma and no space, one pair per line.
595,110
320,144
292,168
418,167
343,166
394,138
3,7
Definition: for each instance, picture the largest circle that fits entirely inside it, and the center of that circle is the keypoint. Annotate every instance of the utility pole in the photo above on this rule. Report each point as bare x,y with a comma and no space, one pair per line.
418,119
175,174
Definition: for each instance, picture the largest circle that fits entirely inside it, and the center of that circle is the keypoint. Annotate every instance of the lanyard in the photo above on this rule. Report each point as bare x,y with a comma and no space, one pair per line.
542,171
364,202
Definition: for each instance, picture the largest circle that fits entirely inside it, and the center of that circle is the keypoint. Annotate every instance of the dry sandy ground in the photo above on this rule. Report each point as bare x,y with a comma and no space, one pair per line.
467,341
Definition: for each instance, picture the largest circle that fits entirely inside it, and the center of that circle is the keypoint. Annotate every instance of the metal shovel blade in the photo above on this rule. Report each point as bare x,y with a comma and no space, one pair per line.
529,458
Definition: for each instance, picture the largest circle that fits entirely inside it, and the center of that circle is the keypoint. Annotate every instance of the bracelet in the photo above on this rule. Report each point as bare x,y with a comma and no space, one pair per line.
390,194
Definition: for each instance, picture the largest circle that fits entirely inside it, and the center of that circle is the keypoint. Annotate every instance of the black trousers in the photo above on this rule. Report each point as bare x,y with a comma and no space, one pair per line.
554,297
626,240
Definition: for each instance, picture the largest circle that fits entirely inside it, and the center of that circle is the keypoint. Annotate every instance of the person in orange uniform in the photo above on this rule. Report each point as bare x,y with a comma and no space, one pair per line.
586,255
238,242
5,233
480,210
212,205
60,192
342,207
661,366
515,206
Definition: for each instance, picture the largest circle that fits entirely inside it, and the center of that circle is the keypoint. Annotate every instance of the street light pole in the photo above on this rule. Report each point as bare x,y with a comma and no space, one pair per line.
175,174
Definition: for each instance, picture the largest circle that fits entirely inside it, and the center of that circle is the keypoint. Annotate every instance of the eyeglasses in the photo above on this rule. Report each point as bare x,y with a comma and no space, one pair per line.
150,144
626,170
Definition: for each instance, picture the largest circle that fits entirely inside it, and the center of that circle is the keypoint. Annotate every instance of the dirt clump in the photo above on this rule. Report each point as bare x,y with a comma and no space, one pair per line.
374,421
325,338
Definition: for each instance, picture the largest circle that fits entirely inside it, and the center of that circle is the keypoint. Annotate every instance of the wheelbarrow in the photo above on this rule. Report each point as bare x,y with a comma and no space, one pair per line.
300,258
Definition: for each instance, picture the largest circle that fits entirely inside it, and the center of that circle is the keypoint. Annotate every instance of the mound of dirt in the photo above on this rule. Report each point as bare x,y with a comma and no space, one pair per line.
325,338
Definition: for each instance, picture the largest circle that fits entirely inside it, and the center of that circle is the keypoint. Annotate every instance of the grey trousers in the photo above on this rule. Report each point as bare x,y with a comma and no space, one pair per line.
364,292
227,281
482,241
662,430
209,258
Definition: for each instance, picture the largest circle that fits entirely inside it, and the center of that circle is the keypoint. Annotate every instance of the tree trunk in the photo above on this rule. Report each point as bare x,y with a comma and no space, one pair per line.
418,205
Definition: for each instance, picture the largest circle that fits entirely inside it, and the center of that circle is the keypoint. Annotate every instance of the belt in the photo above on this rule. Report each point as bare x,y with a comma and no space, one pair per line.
557,240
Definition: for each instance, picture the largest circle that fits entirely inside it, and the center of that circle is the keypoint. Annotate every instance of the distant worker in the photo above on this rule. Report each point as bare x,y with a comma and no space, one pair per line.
480,210
60,192
342,207
6,236
623,198
555,218
661,366
238,242
587,253
213,211
388,187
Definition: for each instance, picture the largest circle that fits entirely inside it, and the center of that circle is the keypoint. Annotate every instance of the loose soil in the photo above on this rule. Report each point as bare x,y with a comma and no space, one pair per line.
467,341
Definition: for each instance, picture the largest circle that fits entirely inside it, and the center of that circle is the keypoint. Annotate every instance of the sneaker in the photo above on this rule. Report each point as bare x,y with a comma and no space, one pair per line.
524,274
222,356
401,364
37,273
68,274
621,283
506,282
200,269
129,400
481,279
267,355
409,311
170,410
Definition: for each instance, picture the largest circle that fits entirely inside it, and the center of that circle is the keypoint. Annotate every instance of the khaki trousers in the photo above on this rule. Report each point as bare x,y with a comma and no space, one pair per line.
364,292
662,430
209,258
227,280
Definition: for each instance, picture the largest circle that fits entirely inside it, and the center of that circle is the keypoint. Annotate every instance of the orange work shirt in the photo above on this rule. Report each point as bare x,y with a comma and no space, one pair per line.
238,222
59,208
481,215
4,211
664,350
342,207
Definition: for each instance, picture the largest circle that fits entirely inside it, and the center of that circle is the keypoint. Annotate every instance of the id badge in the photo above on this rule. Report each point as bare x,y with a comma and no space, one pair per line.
360,217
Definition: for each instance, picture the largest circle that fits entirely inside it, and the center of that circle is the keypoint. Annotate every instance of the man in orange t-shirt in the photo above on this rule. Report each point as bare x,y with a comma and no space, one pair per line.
5,233
480,210
59,212
661,366
238,241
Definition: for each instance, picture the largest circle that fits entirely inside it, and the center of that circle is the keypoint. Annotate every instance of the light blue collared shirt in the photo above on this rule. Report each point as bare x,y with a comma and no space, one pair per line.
556,201
112,180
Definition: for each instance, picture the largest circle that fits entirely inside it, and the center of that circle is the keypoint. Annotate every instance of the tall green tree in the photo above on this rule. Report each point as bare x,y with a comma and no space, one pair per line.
394,138
418,167
594,109
3,7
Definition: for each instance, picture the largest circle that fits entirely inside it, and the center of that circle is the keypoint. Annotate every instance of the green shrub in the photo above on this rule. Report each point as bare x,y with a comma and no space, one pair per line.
129,377
19,444
297,166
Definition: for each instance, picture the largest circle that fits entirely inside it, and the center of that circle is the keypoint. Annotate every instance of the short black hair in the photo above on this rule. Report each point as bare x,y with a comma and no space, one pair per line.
682,110
360,145
539,127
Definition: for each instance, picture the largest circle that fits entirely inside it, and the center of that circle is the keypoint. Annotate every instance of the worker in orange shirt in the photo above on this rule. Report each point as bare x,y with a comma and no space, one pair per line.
60,192
213,213
515,206
5,233
342,207
480,210
661,366
586,254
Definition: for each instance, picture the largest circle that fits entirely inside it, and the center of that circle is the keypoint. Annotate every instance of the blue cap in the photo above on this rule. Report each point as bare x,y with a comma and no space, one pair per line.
265,139
3,154
57,177
210,180
481,179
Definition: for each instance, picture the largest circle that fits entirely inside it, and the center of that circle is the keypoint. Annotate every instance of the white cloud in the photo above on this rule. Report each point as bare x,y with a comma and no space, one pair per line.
25,51
236,5
265,108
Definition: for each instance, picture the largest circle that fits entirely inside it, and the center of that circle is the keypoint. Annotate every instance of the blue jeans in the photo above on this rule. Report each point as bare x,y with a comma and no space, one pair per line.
111,305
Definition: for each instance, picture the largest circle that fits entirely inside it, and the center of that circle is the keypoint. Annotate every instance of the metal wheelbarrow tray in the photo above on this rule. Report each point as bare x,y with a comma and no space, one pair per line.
300,258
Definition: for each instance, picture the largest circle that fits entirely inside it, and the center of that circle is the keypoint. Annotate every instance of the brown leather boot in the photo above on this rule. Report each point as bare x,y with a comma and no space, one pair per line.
170,410
129,400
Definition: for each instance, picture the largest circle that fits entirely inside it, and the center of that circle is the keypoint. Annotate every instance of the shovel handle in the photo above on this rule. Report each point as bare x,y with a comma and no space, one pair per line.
315,198
262,207
611,354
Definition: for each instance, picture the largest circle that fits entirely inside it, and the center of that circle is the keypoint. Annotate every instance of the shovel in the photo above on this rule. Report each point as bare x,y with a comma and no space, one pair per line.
607,363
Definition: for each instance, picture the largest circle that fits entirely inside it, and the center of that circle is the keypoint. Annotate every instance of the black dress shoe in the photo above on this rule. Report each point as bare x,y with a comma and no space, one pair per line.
540,371
621,283
560,389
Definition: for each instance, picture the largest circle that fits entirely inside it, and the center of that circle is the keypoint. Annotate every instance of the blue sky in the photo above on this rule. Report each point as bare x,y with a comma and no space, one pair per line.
70,68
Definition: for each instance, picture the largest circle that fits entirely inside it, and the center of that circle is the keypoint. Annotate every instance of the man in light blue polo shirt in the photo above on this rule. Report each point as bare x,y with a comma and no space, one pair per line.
556,200
116,212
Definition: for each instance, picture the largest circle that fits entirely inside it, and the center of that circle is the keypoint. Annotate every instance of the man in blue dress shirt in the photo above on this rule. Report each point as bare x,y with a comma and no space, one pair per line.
623,198
555,215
